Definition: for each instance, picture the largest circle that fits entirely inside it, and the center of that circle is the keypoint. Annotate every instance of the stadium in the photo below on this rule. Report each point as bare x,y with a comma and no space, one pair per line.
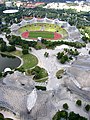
45,28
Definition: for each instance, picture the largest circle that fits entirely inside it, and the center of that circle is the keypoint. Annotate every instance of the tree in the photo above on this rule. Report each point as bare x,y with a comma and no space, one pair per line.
46,54
62,60
79,102
11,48
65,106
60,114
87,107
3,47
60,55
25,51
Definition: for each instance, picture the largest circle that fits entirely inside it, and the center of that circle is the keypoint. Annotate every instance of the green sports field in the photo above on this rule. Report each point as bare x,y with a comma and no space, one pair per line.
43,34
45,29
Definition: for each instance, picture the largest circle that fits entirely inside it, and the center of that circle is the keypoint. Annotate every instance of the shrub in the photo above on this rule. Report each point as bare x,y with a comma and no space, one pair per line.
65,106
21,69
46,54
40,87
87,107
79,102
25,51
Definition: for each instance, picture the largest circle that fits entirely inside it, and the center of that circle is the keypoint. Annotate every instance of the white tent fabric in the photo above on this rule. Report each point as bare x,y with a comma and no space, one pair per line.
31,100
14,27
23,22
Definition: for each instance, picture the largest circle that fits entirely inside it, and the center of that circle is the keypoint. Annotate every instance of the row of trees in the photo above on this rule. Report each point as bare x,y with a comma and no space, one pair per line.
16,40
50,44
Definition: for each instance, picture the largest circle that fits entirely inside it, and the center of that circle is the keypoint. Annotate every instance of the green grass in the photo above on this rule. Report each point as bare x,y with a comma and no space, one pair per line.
43,75
42,80
29,60
59,73
43,34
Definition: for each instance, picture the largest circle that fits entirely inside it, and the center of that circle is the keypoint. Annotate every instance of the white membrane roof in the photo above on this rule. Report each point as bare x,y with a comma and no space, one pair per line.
10,11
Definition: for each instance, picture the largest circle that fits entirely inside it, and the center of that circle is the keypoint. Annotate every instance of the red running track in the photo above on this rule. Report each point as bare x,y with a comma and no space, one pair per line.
56,35
25,34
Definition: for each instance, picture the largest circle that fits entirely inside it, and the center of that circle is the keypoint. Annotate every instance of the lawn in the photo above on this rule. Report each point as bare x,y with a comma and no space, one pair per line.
59,73
43,34
29,60
40,74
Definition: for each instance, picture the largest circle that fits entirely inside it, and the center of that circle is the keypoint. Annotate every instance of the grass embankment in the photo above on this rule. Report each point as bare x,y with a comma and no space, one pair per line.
39,74
29,60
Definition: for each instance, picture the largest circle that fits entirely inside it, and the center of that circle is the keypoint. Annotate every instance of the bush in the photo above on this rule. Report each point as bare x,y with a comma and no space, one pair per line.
46,54
21,69
11,48
62,60
40,87
79,102
25,51
87,108
65,106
